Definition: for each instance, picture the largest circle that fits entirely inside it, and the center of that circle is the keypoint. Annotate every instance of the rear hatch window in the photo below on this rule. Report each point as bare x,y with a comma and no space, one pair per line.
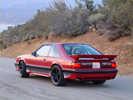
80,49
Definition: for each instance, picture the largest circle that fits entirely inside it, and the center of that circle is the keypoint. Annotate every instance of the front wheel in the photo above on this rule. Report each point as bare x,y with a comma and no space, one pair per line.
99,82
57,76
22,72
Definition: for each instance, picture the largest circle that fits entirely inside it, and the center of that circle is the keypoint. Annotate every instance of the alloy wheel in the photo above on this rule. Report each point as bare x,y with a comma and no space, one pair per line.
55,75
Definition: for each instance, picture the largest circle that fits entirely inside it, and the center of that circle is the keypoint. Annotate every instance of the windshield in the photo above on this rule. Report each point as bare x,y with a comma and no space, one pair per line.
80,49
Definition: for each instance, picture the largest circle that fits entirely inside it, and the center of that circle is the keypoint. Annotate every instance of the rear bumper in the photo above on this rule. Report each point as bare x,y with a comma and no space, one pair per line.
92,71
90,75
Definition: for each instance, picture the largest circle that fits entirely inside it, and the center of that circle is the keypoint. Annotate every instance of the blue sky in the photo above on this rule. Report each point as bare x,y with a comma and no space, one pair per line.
9,3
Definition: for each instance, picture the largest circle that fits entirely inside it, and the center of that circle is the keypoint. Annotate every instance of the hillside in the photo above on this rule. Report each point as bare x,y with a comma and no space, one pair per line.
122,47
59,19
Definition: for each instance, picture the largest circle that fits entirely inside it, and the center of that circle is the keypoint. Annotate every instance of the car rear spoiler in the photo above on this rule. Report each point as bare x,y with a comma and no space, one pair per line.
93,57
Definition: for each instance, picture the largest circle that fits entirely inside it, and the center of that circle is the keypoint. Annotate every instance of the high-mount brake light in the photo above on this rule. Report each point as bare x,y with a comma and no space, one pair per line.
76,65
113,65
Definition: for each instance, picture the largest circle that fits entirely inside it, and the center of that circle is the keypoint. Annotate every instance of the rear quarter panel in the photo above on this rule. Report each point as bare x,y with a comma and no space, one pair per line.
64,62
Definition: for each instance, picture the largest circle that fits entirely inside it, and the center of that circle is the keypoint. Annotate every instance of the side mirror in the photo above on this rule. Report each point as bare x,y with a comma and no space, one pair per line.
33,54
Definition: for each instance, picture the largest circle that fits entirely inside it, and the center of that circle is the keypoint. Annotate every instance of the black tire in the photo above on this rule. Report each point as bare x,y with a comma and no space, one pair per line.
57,76
22,71
99,82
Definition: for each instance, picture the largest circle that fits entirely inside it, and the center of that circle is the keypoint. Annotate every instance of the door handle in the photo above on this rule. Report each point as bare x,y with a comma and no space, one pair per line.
44,59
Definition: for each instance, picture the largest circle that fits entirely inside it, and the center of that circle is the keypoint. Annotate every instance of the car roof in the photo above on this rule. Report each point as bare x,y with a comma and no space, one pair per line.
63,43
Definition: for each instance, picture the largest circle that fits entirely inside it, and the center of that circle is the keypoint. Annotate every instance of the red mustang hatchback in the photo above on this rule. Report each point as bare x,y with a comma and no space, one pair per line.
63,61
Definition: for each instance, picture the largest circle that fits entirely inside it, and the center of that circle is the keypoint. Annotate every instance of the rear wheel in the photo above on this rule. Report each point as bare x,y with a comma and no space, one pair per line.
57,76
99,82
23,73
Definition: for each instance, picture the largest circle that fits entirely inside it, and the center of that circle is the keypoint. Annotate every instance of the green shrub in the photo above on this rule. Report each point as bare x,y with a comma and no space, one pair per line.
31,37
28,42
132,29
10,27
1,42
94,19
15,39
114,34
66,21
110,5
104,10
101,31
89,4
122,17
5,46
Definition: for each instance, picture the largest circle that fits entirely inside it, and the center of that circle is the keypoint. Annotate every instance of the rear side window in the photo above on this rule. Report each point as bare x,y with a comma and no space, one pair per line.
54,52
80,49
43,51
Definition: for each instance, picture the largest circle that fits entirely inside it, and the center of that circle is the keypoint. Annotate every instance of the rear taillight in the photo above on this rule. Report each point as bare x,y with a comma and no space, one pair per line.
76,65
113,65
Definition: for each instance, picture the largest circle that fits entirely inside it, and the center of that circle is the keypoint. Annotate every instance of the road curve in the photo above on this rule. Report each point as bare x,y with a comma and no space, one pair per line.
35,87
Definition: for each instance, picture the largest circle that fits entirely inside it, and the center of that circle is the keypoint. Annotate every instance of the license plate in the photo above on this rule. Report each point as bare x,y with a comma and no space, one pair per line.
96,65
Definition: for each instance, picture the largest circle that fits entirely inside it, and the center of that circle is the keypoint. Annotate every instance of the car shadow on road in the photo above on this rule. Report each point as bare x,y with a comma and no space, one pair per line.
73,83
70,83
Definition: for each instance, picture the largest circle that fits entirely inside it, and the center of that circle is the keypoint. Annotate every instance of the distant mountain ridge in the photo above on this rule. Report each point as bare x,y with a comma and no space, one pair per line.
20,13
23,10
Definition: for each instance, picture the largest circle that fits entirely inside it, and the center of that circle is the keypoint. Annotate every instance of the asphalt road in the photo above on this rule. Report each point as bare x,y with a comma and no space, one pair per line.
15,88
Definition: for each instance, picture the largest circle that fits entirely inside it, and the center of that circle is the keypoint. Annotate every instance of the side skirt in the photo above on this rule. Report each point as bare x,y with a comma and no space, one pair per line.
38,70
45,75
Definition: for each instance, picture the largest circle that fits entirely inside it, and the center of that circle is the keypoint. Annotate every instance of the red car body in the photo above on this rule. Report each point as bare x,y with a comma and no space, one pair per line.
83,67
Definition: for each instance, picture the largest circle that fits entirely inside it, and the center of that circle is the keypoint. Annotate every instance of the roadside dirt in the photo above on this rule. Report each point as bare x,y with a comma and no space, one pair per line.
122,47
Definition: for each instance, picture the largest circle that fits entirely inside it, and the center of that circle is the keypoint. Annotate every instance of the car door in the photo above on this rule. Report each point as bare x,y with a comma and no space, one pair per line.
38,62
